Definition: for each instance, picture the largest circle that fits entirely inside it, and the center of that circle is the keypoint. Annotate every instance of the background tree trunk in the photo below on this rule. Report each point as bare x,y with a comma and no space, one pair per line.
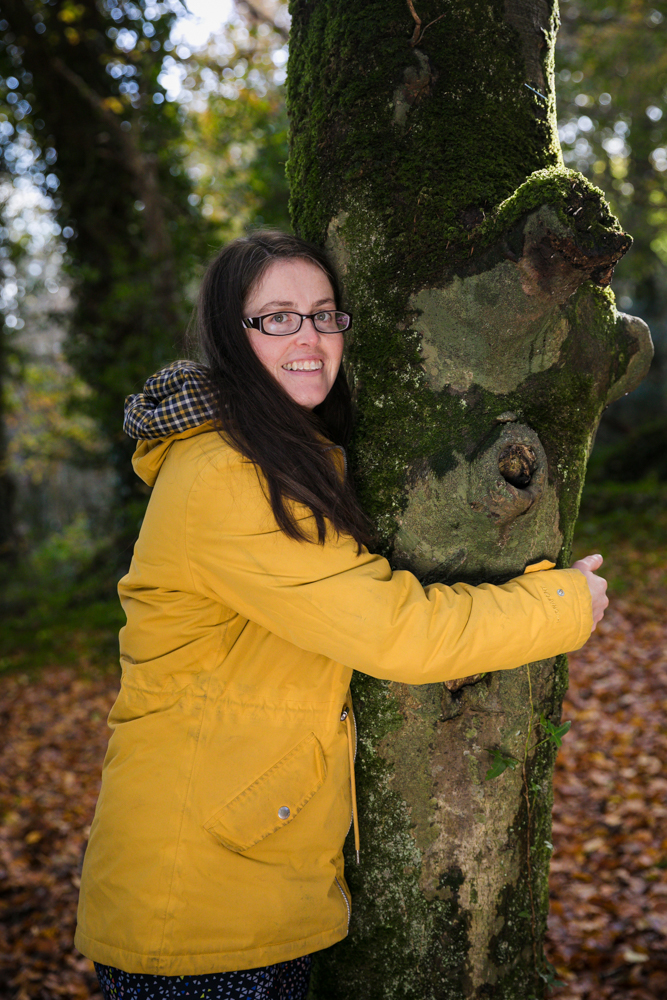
7,527
486,345
123,193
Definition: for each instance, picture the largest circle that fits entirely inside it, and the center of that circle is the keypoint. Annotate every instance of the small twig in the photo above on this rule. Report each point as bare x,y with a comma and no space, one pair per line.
418,23
419,32
414,221
529,820
262,17
429,25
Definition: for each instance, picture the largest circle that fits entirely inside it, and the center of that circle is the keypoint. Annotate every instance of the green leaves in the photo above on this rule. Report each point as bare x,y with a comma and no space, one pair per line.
555,734
501,761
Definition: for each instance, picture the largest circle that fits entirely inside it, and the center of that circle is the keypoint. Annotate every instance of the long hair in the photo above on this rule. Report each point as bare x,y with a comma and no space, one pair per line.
288,443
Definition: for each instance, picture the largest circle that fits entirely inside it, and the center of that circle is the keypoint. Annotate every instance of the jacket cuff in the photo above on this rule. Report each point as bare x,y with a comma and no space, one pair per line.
567,589
584,595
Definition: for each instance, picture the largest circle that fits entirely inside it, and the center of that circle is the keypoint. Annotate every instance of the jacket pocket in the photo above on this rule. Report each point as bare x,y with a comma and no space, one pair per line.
272,800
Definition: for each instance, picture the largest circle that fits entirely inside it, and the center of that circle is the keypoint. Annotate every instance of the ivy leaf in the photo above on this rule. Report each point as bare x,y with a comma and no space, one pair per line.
501,761
555,734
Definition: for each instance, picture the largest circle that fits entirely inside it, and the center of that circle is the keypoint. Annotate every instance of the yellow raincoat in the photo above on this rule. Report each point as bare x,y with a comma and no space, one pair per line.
217,840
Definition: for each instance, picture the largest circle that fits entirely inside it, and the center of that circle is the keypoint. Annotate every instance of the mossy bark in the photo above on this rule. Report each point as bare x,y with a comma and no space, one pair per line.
486,345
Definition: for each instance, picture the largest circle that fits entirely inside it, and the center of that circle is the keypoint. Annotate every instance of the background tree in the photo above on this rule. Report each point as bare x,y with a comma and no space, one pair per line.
82,80
487,343
7,537
144,183
12,252
611,62
236,129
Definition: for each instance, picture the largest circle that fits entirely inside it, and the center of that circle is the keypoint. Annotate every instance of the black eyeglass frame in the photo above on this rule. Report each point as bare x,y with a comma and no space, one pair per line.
257,322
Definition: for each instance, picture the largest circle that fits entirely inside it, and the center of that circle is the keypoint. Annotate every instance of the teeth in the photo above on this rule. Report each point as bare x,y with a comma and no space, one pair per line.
303,366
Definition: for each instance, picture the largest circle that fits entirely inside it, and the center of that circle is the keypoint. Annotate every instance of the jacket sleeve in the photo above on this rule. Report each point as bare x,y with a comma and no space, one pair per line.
354,609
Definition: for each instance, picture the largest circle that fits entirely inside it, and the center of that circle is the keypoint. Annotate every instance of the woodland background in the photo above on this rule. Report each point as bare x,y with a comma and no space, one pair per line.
88,314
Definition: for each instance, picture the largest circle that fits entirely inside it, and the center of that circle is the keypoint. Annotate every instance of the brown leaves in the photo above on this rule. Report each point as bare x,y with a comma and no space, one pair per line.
53,742
608,923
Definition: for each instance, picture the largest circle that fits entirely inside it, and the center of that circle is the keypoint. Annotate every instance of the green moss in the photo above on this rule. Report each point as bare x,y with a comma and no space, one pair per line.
412,207
349,66
568,192
390,952
403,424
517,949
407,752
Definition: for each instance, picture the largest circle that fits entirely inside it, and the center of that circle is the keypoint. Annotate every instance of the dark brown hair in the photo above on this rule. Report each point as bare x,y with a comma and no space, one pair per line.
255,414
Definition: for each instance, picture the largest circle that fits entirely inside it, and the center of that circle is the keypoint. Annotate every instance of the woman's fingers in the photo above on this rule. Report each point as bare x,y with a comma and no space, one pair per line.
590,563
596,584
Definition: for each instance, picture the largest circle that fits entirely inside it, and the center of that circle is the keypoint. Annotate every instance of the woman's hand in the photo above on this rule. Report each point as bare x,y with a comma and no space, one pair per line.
596,584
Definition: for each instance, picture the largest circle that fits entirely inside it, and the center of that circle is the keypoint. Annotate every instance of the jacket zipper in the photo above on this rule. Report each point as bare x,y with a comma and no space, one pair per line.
355,757
345,717
356,735
347,902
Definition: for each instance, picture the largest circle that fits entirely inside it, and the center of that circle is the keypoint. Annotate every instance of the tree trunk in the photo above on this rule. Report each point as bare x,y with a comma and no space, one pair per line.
124,192
486,344
7,490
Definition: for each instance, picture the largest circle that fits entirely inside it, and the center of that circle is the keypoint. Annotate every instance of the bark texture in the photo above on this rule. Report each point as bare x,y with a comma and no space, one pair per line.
486,345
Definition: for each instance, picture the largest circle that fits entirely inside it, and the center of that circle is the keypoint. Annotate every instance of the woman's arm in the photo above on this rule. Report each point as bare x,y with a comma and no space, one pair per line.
353,609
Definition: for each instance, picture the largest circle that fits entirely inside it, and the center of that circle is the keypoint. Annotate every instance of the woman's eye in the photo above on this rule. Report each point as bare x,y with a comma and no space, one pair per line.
278,318
323,317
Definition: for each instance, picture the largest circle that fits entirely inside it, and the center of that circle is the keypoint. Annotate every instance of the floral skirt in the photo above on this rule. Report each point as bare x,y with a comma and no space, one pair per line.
284,981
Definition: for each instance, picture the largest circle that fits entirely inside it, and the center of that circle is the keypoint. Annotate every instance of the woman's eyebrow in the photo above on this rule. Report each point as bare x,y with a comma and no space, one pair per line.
292,305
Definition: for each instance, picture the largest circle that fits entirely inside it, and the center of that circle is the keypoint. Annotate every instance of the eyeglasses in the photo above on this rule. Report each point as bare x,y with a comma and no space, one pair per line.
281,324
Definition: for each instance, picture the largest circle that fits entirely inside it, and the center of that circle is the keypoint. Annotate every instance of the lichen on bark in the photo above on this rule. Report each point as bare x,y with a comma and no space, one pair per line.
485,345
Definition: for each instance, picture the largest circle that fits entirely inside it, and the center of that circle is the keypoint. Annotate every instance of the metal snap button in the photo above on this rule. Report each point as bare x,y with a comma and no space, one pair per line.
283,812
561,593
344,714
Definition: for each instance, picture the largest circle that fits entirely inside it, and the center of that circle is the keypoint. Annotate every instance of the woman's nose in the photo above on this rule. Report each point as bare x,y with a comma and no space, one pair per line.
308,334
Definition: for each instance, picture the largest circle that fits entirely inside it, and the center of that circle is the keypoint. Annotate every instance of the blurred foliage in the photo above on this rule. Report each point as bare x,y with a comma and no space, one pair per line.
627,523
143,182
59,604
84,118
611,80
640,455
236,131
45,424
12,253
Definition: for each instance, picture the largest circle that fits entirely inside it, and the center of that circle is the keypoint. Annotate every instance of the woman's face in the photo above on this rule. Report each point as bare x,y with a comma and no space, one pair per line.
298,286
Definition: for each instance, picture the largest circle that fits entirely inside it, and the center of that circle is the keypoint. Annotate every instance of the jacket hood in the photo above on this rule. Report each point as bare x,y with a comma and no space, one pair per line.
176,402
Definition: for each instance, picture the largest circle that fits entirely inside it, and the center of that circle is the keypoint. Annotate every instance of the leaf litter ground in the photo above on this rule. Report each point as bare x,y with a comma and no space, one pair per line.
608,919
608,922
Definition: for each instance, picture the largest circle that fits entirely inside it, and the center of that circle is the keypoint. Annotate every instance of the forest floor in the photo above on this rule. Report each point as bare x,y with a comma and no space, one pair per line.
608,919
608,923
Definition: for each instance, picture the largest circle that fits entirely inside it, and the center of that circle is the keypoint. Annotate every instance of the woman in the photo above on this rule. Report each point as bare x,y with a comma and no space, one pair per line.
215,858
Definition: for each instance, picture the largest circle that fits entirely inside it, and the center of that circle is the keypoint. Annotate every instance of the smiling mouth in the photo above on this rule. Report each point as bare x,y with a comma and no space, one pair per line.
303,366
